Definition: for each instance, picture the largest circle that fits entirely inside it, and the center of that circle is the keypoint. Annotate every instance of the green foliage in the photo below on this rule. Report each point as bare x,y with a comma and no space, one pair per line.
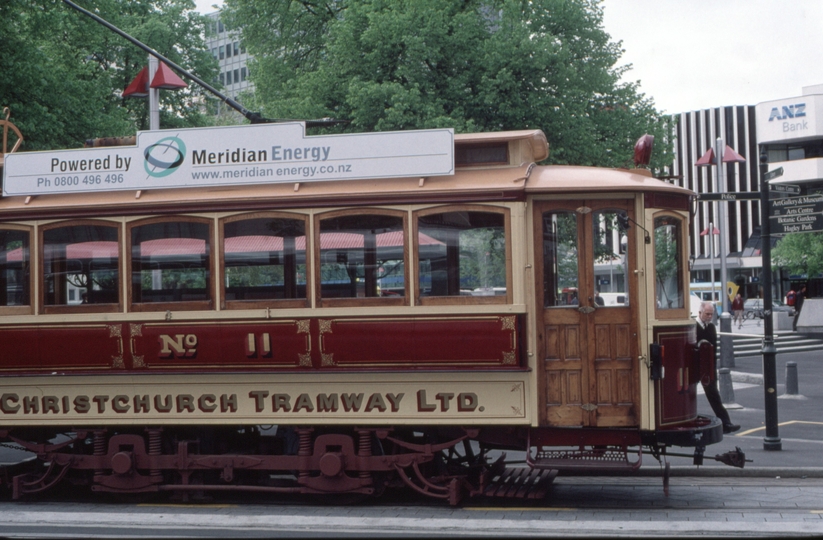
800,253
474,65
63,73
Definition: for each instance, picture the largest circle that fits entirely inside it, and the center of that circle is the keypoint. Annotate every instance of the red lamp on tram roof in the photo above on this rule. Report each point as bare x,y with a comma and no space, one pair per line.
643,150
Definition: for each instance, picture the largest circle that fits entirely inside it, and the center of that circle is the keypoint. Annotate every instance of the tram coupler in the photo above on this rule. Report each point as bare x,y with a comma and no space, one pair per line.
735,458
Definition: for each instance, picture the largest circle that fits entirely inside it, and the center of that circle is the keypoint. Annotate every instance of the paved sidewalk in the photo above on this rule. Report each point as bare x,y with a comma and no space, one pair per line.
799,417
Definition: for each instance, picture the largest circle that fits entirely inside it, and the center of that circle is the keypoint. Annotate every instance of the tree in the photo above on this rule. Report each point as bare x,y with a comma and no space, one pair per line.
474,65
63,74
800,253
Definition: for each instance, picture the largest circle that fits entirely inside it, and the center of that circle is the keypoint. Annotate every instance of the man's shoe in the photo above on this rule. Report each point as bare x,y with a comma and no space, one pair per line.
730,428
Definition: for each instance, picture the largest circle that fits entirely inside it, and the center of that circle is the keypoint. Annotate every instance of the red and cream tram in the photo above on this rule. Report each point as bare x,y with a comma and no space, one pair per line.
334,318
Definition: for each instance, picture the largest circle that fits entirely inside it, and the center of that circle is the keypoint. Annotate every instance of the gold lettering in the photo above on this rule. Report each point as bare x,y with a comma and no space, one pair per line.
467,401
395,401
444,398
30,405
50,404
206,403
259,397
5,401
422,404
163,406
280,401
376,402
303,402
185,402
101,403
120,404
182,345
142,404
82,404
228,403
326,403
351,401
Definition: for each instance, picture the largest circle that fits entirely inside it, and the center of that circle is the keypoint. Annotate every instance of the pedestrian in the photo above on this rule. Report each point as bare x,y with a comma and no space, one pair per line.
737,310
799,298
707,331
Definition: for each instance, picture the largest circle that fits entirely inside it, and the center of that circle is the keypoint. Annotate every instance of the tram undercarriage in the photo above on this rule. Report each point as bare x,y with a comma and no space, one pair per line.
449,464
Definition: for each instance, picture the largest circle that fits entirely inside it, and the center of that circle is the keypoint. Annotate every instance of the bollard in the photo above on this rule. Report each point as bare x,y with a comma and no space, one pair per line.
791,378
726,341
726,387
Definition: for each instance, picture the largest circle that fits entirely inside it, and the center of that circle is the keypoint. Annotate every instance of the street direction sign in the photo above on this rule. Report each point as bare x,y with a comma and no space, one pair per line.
781,225
796,214
771,175
785,188
807,204
731,197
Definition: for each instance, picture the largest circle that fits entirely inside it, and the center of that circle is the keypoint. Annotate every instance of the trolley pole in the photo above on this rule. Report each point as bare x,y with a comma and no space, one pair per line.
772,439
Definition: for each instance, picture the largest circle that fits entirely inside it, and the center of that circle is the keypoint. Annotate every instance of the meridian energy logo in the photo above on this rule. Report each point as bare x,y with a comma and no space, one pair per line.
164,157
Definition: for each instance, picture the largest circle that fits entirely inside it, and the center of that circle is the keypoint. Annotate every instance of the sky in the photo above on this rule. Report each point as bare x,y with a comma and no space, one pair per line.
697,54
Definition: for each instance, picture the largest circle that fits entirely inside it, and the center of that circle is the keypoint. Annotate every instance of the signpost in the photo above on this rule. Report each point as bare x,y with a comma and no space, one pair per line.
730,197
796,214
785,188
771,175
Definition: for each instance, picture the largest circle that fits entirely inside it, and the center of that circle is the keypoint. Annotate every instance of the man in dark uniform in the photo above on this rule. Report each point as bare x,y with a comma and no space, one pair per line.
707,331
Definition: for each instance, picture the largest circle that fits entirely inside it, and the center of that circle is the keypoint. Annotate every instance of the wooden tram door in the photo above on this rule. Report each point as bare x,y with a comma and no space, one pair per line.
588,375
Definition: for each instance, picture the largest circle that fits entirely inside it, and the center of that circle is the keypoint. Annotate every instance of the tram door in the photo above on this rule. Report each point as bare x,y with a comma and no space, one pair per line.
587,335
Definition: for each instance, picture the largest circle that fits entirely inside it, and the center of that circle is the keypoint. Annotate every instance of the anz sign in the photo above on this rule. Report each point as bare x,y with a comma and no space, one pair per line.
790,119
788,111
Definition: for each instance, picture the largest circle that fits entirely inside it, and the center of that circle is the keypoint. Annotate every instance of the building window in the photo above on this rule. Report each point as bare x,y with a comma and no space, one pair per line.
242,74
236,48
220,27
236,76
222,52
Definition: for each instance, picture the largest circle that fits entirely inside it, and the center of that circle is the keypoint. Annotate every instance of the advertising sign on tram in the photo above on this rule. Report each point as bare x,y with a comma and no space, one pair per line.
233,155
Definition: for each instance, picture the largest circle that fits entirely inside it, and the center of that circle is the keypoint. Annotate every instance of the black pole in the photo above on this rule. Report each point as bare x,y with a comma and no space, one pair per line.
772,439
253,117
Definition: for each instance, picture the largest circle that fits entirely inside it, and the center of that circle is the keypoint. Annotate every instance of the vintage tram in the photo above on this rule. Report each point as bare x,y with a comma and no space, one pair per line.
249,308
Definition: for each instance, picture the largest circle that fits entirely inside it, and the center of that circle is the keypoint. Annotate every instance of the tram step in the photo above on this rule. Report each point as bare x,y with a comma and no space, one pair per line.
521,483
610,458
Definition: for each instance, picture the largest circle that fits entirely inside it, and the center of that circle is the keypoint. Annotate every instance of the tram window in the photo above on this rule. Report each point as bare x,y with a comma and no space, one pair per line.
668,267
170,262
611,286
462,253
560,259
81,265
362,256
14,268
264,258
